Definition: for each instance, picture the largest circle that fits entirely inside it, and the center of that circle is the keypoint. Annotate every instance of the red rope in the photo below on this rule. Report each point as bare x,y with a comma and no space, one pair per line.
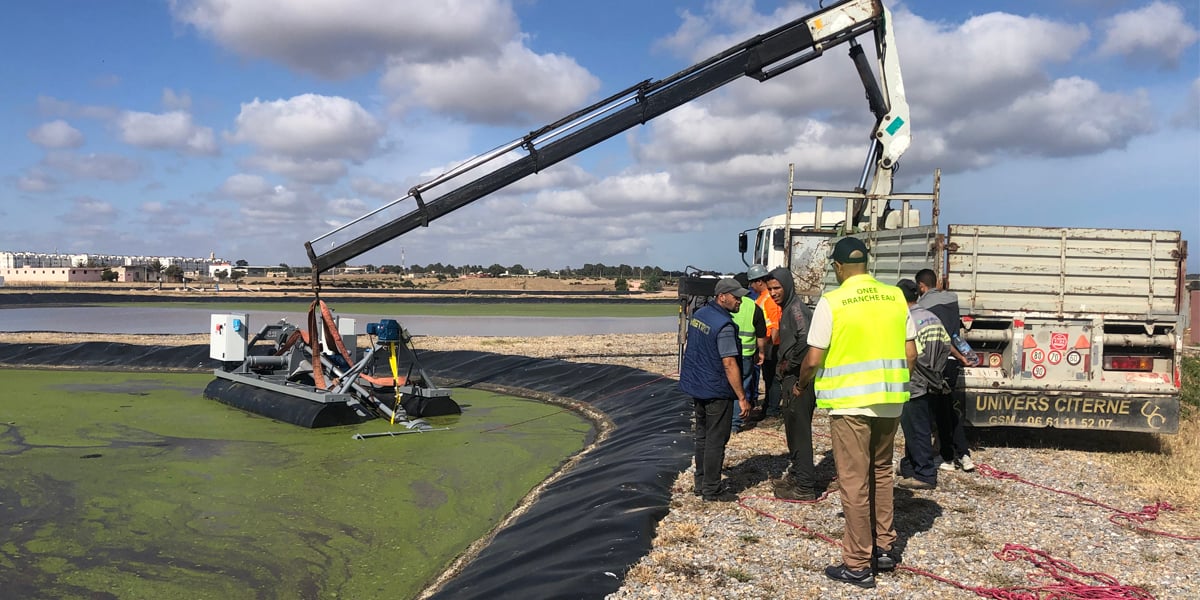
1057,580
1121,518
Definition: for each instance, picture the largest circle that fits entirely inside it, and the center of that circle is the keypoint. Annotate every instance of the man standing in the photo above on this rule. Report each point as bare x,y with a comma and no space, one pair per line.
952,438
799,483
758,276
927,386
752,335
711,375
860,352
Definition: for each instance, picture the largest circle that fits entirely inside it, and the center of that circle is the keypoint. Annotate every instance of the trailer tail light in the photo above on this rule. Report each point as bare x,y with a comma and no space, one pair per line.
1128,363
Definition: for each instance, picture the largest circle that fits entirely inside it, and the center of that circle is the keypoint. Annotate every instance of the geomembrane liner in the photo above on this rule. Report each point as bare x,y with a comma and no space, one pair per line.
589,524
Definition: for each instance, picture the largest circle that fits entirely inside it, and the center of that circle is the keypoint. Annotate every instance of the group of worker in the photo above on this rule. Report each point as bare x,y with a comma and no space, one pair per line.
879,357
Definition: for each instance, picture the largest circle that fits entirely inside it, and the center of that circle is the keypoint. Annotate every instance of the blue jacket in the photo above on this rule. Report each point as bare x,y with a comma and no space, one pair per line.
702,375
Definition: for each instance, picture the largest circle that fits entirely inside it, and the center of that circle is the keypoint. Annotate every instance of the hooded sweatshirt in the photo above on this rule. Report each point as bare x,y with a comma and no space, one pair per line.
794,320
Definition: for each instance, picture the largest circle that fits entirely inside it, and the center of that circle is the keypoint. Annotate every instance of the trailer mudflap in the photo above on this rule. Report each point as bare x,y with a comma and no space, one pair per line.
1112,412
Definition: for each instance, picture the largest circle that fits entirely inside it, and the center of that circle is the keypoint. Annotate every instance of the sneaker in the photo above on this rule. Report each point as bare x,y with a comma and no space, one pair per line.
965,463
788,489
863,579
947,466
912,483
722,496
885,560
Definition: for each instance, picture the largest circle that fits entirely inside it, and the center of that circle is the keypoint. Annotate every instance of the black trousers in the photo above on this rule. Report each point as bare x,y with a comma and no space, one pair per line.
713,423
797,428
771,383
917,422
948,413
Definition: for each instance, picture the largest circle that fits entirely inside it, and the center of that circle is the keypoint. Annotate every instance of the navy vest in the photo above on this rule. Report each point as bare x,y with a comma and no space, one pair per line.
702,375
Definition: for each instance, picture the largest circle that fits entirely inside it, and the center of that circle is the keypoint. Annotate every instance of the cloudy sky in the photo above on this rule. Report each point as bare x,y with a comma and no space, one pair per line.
246,128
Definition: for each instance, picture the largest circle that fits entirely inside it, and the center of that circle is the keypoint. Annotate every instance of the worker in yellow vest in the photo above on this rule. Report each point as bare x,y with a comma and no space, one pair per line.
861,347
752,336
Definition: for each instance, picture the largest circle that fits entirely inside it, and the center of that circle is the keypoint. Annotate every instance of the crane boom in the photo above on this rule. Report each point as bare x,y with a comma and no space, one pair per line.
762,57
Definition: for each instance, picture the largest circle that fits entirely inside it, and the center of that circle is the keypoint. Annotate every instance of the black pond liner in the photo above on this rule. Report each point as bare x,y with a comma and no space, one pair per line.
588,525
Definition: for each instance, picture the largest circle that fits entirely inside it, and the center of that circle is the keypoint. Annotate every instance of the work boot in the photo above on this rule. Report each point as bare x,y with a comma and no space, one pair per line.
863,579
722,496
788,489
912,483
885,560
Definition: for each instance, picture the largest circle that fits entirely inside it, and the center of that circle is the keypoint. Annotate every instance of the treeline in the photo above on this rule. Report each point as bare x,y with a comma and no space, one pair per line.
599,270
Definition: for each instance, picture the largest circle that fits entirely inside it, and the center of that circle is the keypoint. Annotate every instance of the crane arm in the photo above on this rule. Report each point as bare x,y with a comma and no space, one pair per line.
762,57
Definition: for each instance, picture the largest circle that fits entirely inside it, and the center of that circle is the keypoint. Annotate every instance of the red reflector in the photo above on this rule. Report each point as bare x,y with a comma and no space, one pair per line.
1128,363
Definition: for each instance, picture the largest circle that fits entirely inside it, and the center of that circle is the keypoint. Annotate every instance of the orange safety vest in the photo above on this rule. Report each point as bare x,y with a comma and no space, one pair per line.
773,313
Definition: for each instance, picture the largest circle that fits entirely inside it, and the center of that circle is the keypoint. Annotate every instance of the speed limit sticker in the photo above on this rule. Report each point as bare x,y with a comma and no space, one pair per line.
1073,358
1039,371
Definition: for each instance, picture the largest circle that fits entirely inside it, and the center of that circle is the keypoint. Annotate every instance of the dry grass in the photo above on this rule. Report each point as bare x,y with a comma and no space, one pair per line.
679,533
1170,475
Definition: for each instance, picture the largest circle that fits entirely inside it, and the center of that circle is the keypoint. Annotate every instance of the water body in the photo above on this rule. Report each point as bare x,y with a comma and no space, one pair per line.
169,321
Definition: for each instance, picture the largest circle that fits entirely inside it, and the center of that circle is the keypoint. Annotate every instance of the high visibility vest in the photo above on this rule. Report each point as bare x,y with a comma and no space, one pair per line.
744,319
866,362
772,313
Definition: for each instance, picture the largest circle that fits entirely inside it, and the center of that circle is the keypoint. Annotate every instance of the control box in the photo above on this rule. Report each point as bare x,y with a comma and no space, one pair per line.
228,337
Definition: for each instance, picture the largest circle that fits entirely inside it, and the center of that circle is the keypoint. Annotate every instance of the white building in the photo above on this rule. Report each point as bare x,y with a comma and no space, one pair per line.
40,267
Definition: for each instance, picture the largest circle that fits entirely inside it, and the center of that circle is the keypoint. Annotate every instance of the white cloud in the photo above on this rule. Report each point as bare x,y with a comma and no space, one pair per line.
342,38
172,130
172,100
244,186
37,181
57,134
86,210
309,126
512,85
348,208
51,106
110,167
1157,33
307,170
1050,123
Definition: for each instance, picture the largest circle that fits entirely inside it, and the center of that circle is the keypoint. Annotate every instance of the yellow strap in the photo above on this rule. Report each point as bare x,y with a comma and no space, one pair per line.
395,378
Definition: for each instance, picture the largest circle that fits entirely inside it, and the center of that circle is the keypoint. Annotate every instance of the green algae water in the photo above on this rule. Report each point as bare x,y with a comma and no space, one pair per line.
132,485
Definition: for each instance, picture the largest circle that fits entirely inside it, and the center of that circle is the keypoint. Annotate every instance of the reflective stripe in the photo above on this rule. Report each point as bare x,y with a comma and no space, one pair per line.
862,390
862,367
865,363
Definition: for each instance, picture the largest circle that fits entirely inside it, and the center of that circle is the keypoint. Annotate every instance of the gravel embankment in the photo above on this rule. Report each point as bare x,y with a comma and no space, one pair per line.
763,548
757,548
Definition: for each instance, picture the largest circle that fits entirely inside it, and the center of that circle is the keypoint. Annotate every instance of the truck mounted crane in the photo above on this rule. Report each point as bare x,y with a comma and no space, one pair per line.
762,57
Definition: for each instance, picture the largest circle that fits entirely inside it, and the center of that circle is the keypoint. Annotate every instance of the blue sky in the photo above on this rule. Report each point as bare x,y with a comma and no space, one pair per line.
244,129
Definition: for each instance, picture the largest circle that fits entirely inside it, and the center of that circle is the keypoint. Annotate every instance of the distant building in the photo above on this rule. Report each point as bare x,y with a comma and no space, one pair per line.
41,267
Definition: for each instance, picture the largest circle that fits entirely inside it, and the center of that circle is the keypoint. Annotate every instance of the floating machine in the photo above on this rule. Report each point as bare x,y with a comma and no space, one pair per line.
274,373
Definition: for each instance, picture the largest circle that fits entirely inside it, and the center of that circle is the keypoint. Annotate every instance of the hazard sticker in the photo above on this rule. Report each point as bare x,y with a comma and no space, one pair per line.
1058,340
1037,355
1054,357
994,360
1073,358
1039,371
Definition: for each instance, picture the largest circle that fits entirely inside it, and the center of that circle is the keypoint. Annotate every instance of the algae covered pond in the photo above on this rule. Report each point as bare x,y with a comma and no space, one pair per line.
132,485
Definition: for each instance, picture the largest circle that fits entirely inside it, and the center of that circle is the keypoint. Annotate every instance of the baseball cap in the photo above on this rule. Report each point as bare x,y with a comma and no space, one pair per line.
730,286
846,247
909,287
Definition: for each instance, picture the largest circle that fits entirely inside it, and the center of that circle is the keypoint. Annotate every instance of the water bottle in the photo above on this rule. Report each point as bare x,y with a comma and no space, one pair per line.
971,357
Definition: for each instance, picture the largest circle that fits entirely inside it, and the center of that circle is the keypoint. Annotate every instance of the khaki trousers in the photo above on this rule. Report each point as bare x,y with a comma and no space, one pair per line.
862,450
